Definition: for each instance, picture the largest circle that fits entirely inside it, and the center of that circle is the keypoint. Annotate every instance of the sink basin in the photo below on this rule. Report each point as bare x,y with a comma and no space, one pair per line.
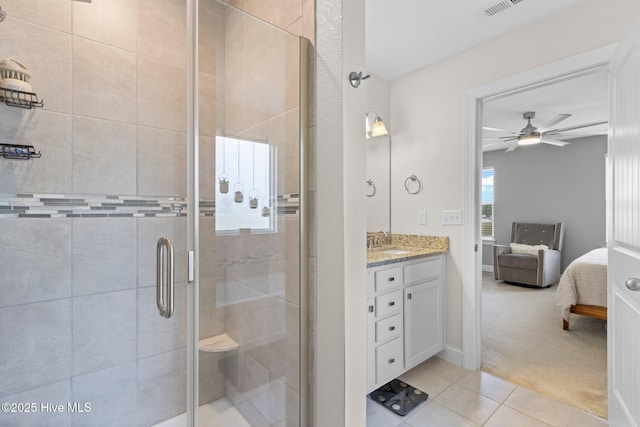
394,252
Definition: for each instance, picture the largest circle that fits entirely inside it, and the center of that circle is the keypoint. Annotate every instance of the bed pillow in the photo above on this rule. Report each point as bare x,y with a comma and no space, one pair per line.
519,248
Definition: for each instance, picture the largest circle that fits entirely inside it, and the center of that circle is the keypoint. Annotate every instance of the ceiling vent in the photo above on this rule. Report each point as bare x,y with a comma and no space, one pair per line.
501,7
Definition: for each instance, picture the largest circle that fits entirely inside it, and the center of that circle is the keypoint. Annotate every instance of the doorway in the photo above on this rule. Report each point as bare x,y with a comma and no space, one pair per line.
477,99
593,61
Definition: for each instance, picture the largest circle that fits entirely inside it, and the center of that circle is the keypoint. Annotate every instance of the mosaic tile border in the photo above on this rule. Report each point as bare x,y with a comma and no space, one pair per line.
102,206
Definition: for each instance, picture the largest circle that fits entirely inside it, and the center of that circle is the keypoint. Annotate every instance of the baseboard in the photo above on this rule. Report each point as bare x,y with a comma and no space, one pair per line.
451,354
487,268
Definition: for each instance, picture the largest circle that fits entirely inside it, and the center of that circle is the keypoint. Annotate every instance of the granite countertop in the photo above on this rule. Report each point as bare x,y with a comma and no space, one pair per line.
403,247
377,256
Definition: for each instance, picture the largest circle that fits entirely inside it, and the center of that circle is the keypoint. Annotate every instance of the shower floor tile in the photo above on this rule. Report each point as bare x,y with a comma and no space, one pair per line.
220,413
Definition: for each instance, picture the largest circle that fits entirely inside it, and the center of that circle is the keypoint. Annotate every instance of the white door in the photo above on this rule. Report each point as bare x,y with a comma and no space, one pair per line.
624,234
423,336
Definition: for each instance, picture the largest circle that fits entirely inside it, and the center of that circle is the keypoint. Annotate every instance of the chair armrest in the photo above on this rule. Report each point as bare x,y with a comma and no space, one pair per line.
548,267
497,251
501,249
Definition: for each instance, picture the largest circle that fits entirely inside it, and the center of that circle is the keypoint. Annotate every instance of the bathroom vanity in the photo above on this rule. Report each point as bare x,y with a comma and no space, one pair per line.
405,301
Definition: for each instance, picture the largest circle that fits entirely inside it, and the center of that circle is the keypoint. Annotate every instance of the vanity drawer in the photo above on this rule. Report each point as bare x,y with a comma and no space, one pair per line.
421,271
388,278
388,328
390,303
388,360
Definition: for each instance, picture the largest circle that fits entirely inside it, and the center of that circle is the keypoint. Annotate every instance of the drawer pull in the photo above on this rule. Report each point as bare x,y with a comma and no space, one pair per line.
392,303
392,328
392,361
391,279
408,296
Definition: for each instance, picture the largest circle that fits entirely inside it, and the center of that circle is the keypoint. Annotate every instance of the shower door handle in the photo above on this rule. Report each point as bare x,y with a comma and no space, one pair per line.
164,277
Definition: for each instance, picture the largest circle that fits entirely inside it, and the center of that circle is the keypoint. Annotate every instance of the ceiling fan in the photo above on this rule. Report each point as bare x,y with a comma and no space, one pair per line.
530,135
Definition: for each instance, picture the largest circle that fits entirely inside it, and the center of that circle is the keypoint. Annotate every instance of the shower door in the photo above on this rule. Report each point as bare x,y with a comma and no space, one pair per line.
82,342
250,242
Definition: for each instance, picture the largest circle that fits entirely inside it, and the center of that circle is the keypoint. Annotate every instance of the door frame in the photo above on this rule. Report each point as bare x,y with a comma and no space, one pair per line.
568,68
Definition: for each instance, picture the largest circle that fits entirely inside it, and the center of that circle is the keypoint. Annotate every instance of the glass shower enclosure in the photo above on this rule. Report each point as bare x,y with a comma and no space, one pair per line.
152,254
250,123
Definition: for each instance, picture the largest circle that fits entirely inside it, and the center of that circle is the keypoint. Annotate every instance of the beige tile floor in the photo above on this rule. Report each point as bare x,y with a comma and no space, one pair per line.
461,398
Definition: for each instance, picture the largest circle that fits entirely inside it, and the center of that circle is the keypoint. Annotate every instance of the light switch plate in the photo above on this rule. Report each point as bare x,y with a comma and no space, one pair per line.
422,217
451,217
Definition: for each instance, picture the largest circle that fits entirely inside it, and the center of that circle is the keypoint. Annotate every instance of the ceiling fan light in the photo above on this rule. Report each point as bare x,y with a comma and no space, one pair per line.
530,139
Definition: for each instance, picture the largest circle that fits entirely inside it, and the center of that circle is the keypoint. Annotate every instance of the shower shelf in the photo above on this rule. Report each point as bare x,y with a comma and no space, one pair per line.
20,99
218,344
20,152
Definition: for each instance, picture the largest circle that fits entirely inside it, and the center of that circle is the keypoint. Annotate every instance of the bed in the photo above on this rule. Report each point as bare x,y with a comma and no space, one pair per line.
583,287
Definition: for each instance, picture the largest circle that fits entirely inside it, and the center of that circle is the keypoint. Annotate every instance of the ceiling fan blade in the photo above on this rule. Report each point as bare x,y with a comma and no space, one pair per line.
503,138
555,142
586,125
574,135
492,129
551,123
512,147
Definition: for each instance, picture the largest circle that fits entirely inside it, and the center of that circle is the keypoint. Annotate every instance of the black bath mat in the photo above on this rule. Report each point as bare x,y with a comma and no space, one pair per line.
399,397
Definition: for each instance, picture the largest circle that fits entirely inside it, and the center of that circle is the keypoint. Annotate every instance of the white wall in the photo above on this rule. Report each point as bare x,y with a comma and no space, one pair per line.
354,104
339,256
428,113
378,93
328,323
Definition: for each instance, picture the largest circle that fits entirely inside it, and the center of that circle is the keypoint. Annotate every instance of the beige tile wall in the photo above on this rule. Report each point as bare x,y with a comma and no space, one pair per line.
112,75
295,16
116,67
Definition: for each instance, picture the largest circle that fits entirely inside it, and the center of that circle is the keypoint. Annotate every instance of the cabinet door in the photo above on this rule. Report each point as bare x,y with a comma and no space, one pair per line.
423,321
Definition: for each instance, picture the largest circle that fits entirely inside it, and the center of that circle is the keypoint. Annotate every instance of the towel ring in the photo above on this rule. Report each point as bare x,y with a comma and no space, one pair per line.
371,184
414,179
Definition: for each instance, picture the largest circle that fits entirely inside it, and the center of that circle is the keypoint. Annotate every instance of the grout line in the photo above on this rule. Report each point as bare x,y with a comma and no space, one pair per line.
492,414
510,394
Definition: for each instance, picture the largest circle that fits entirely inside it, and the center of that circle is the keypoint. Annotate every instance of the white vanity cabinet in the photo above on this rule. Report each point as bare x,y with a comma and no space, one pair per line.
405,316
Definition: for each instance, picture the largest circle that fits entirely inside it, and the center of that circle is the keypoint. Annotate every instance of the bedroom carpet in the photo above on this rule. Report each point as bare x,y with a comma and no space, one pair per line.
523,342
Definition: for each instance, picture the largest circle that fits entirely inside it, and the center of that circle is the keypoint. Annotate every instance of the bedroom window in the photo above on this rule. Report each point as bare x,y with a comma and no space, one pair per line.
487,202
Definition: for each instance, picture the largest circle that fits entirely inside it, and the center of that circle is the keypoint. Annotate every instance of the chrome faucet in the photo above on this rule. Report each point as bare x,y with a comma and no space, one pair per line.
376,239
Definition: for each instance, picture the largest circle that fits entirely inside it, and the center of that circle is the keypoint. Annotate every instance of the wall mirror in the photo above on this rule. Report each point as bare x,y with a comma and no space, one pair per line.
378,185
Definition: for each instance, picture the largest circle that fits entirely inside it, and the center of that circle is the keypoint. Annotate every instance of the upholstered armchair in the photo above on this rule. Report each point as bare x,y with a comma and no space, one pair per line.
533,256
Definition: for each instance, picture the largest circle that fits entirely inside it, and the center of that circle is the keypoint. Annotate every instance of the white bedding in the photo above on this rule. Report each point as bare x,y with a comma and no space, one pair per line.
584,282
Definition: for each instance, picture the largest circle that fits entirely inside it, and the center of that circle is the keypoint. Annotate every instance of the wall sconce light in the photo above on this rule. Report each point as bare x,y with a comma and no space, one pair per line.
356,78
378,128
